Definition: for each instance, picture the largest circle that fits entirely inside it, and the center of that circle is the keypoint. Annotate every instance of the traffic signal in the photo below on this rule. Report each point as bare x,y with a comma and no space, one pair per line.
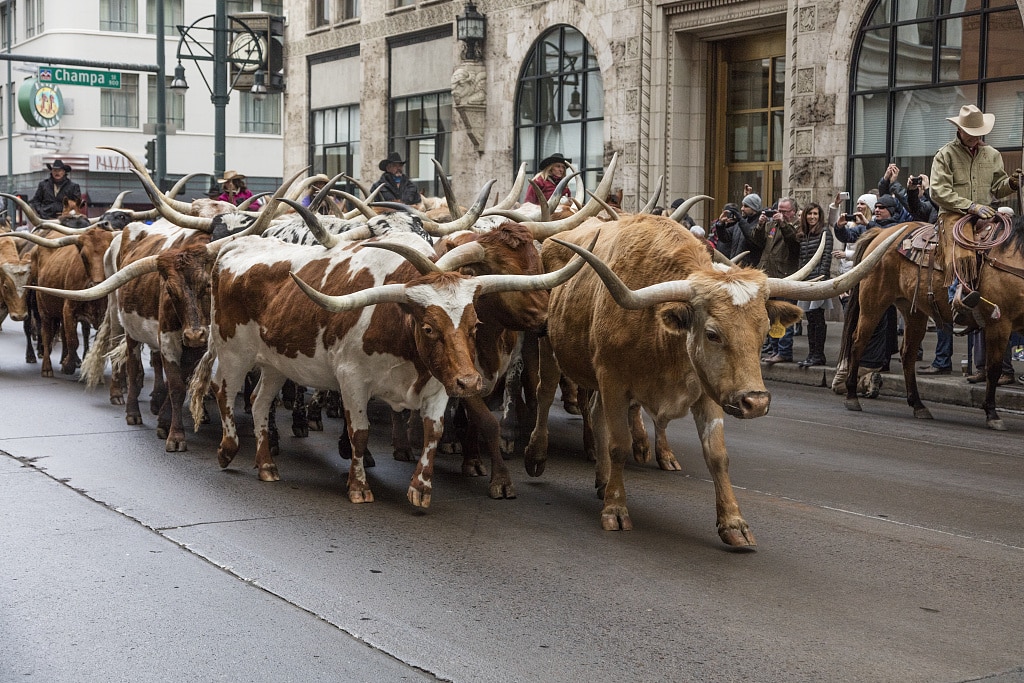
151,156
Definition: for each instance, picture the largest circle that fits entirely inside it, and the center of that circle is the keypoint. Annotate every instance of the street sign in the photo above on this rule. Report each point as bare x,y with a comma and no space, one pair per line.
62,75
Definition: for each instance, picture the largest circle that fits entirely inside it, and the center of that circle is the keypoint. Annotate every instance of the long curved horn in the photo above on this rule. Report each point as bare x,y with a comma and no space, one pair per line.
346,302
514,216
525,283
685,207
363,187
604,205
321,234
449,193
182,182
735,260
120,198
719,257
44,241
62,229
812,264
320,196
580,197
361,207
133,270
248,202
545,208
542,231
355,213
271,210
29,212
653,201
673,290
147,180
815,291
512,197
464,254
556,195
464,223
175,216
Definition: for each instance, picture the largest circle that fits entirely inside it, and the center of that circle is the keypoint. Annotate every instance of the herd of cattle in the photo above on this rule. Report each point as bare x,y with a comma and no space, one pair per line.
416,308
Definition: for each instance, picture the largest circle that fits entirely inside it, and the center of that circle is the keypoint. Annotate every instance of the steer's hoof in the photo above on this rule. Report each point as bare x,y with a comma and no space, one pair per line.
923,414
418,498
175,446
473,467
852,404
117,400
224,457
269,473
47,373
668,462
996,424
316,425
360,496
616,518
403,455
299,431
502,489
741,538
161,432
135,420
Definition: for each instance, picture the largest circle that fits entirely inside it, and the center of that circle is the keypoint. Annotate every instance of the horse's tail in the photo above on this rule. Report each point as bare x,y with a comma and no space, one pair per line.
200,385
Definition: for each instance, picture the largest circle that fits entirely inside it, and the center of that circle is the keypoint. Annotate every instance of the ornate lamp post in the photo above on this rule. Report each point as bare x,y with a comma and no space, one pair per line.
248,51
472,31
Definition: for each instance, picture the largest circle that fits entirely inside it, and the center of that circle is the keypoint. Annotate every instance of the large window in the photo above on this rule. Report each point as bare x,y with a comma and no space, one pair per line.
8,14
335,147
174,15
260,113
349,9
120,108
560,104
421,129
174,102
33,17
916,63
119,15
322,12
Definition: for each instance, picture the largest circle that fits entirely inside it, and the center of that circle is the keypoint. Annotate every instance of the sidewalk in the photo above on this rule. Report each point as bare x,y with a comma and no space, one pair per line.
951,389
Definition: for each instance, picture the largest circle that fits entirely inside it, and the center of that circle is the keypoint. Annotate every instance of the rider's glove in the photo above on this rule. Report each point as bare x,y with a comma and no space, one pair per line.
1015,179
982,211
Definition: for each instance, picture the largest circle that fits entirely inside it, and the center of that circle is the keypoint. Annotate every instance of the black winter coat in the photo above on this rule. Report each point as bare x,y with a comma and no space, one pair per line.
404,190
809,245
48,202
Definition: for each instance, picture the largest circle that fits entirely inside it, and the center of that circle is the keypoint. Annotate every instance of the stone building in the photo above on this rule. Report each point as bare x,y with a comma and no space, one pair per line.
791,97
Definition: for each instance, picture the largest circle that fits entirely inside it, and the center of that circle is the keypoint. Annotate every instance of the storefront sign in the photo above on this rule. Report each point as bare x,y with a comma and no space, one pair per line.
40,104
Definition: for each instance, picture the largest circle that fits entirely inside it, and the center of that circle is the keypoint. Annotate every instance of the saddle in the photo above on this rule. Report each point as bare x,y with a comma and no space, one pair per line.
919,246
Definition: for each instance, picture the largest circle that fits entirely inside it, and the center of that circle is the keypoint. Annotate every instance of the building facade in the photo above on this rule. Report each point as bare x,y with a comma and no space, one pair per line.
791,97
123,32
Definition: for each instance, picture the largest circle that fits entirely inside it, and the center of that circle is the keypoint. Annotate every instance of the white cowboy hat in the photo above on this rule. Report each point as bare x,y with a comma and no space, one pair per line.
972,121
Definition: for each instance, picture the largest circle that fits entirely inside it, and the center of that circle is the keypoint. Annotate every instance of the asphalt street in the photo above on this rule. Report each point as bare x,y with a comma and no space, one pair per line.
889,550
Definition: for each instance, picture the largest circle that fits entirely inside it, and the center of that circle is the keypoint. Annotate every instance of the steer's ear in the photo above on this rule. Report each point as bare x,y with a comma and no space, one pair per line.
676,317
784,312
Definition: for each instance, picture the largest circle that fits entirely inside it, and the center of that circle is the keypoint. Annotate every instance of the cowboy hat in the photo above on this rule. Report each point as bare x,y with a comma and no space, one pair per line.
231,175
972,121
393,158
554,158
59,165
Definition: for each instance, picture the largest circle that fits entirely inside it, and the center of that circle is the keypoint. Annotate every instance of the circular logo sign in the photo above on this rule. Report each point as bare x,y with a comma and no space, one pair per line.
41,104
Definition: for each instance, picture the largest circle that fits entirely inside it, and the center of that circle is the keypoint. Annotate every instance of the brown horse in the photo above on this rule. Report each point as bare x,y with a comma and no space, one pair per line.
919,293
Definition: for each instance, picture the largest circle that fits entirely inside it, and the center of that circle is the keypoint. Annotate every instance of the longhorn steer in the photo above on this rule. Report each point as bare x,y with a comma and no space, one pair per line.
14,274
687,339
391,333
71,262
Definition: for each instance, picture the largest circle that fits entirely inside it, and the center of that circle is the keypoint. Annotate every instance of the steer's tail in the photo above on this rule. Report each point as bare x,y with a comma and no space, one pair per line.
95,361
199,385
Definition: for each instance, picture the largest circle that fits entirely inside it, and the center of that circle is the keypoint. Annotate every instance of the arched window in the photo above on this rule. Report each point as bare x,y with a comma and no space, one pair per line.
917,62
560,104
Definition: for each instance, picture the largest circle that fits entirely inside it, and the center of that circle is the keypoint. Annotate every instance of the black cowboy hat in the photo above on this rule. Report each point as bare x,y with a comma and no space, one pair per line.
557,156
393,158
58,164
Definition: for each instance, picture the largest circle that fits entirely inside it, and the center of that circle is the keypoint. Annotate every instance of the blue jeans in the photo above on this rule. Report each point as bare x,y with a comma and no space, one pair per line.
943,347
785,344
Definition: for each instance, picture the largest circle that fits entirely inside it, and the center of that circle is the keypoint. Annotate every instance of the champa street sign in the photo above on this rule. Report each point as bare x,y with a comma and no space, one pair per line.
61,75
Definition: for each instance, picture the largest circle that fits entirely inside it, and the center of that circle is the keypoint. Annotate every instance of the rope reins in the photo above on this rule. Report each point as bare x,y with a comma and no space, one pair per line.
988,239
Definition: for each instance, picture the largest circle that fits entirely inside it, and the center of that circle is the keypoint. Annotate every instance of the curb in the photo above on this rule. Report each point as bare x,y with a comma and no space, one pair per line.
948,389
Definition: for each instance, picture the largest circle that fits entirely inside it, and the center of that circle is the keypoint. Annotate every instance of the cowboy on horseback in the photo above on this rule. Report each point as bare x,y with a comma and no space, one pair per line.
966,174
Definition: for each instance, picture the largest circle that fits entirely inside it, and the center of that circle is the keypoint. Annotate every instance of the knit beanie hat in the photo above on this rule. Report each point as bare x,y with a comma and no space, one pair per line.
889,202
753,201
868,199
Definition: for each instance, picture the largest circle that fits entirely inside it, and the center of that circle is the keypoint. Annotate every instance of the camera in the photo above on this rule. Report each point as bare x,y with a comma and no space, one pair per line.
769,213
915,181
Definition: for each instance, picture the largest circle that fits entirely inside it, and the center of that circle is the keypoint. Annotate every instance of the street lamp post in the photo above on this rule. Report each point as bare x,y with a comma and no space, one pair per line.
197,52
